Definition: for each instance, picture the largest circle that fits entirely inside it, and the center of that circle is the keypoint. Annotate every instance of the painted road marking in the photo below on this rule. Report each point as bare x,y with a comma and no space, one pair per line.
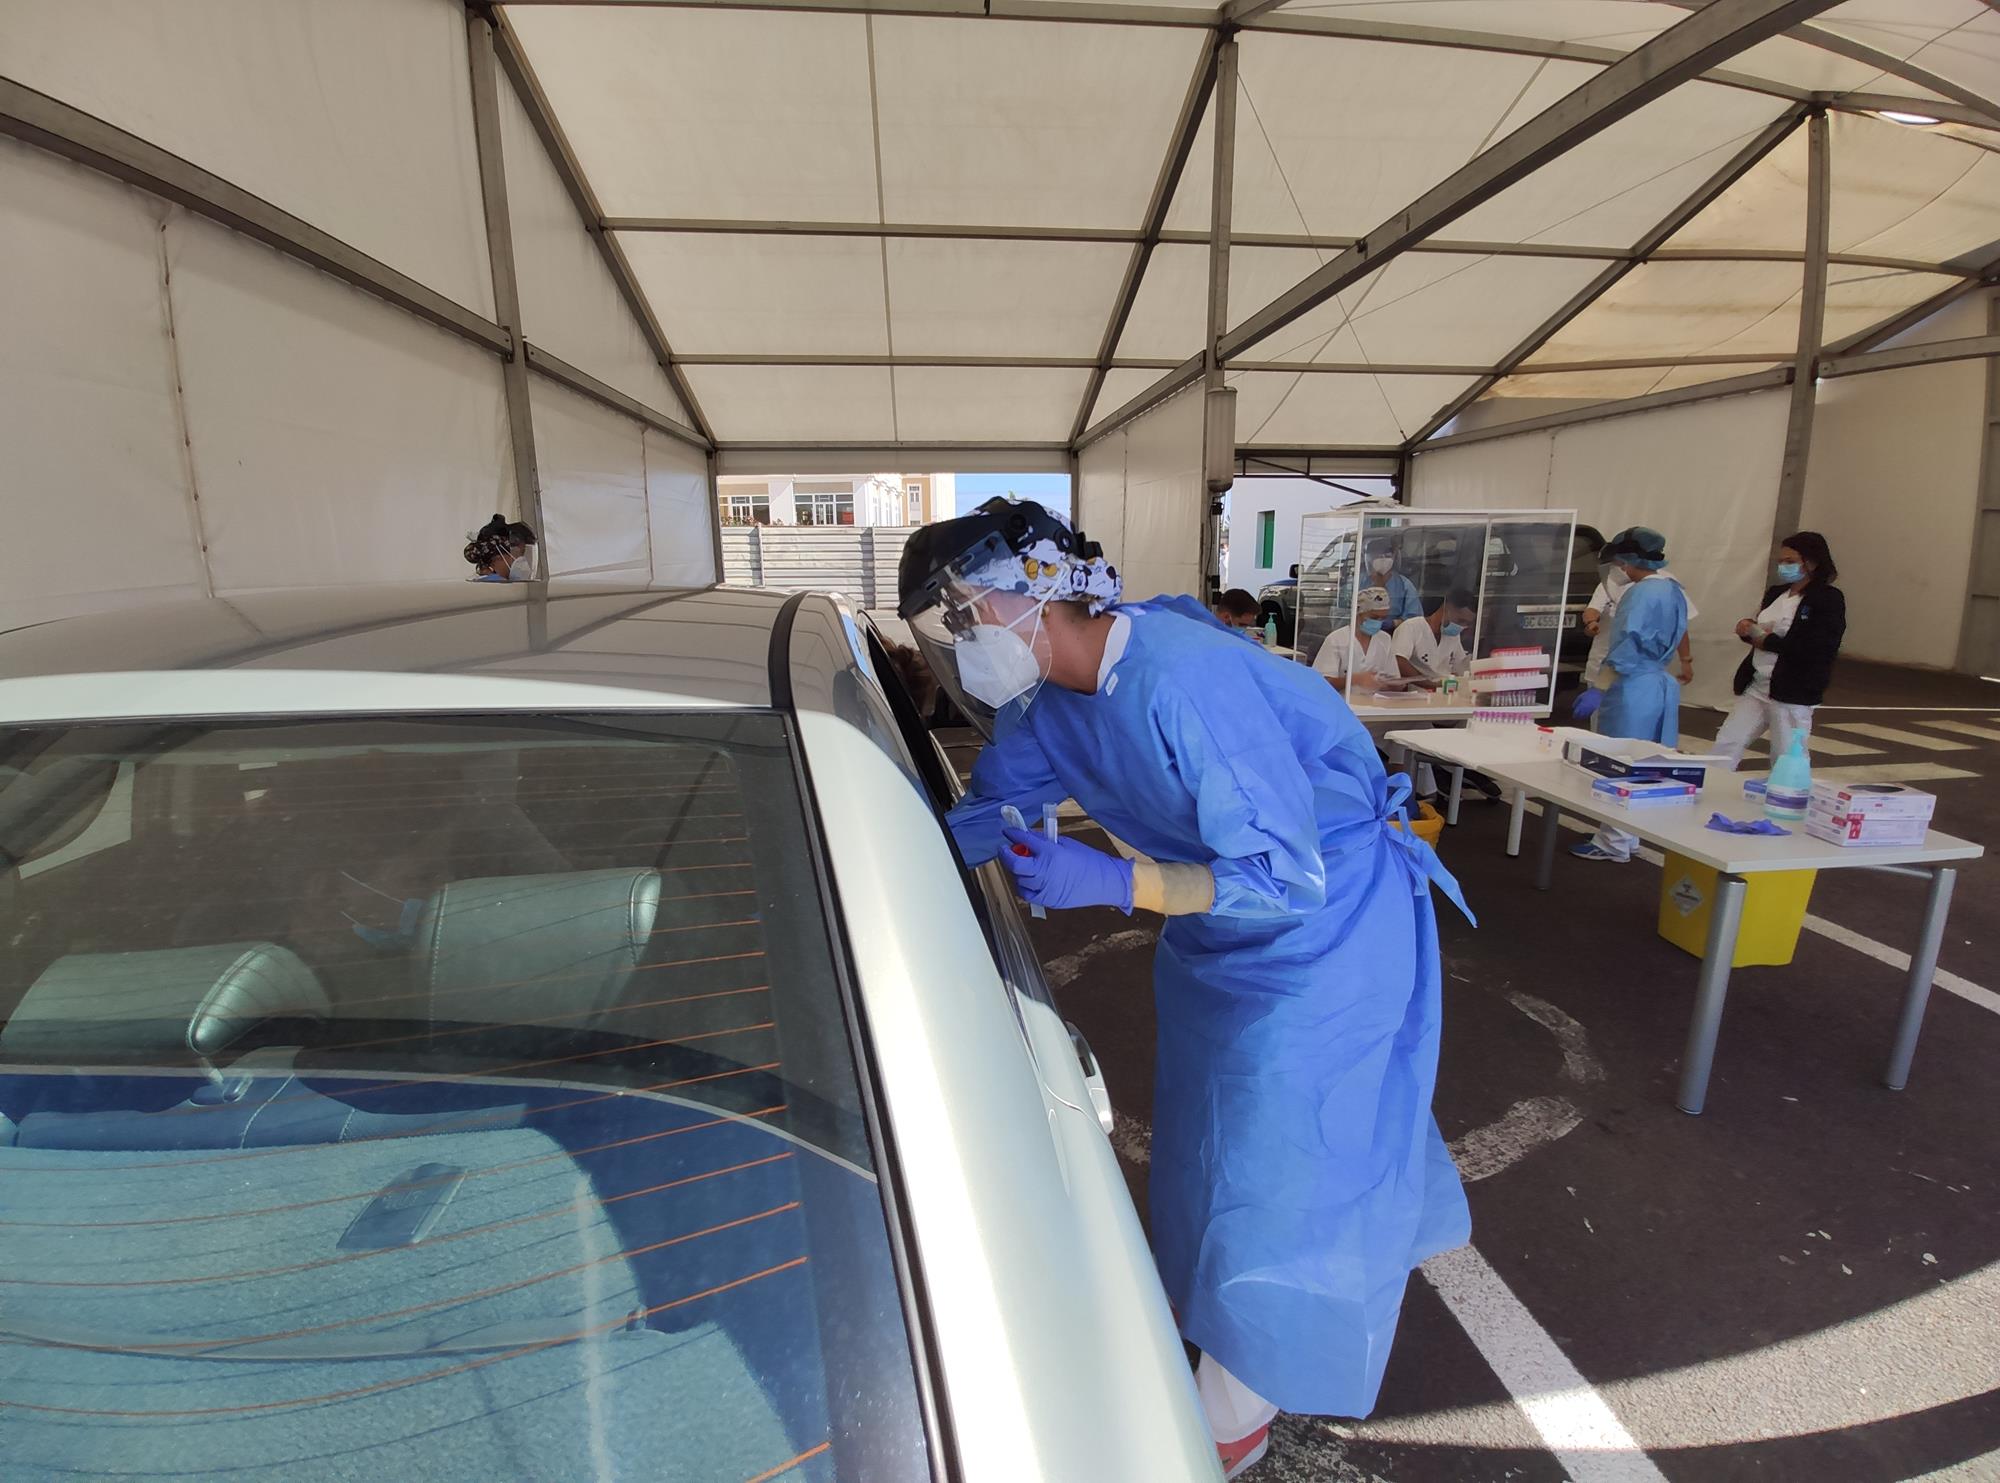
1520,1130
1964,728
1818,744
1573,1420
1881,952
1901,737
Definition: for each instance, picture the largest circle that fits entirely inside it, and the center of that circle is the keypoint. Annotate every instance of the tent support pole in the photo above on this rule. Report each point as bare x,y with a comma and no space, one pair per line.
1218,417
506,290
1739,165
715,518
1979,633
1709,36
1812,316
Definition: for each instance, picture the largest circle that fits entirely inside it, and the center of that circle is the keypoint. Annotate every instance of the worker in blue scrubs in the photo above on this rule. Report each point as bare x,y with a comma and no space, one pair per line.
1644,699
1297,1171
1404,599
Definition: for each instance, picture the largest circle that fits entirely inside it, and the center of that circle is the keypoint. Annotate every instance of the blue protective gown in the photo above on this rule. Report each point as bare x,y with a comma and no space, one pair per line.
1644,701
1297,1172
1404,599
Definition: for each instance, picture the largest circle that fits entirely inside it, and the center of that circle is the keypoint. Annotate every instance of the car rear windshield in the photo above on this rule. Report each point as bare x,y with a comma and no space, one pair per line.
442,1098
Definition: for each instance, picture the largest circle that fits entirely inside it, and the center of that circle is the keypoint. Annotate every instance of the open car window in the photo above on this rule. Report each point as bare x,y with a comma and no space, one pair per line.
458,1097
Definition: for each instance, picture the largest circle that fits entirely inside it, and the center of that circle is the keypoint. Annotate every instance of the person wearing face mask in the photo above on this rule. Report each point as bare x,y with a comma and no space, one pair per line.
1597,615
1360,663
1435,644
501,551
1404,599
1793,641
1644,700
1297,1173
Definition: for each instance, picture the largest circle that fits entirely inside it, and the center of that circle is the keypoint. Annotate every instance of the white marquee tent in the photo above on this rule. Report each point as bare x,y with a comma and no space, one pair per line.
299,291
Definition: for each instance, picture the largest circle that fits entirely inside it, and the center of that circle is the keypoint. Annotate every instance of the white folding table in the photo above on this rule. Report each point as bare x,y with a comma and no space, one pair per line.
1530,772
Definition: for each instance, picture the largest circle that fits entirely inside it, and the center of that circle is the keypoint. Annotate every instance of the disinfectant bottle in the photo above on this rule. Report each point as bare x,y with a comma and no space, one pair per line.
1270,633
1789,788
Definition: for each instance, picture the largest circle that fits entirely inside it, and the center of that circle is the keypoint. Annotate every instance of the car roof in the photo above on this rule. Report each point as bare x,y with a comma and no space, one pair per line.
443,646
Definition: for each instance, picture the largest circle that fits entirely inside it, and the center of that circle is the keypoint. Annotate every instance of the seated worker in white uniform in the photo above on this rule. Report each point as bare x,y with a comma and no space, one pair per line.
1359,663
1430,646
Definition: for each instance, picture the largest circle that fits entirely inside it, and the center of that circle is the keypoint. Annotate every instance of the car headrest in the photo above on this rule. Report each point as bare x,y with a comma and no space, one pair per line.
524,948
167,1004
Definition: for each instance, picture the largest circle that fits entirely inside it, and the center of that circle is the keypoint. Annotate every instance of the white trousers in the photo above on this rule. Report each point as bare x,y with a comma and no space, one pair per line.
1234,1410
1756,713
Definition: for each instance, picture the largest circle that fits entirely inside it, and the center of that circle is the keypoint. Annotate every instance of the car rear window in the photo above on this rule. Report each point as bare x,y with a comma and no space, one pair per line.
444,1098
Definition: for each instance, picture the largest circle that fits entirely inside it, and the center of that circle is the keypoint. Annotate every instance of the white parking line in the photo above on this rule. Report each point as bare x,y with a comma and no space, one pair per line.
1901,737
1964,728
1572,1418
1819,744
1892,772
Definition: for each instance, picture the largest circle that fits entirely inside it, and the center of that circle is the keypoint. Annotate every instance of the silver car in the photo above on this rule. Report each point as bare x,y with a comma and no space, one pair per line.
479,1032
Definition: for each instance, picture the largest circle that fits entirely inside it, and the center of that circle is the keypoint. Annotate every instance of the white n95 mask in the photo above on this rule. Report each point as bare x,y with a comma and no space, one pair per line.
996,664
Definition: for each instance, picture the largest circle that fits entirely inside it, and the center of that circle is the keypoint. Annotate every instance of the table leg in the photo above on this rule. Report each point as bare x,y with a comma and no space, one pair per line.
1710,990
1514,823
1457,787
1545,869
1923,968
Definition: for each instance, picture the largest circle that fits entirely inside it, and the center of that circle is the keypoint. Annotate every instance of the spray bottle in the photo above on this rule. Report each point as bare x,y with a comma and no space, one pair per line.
1788,790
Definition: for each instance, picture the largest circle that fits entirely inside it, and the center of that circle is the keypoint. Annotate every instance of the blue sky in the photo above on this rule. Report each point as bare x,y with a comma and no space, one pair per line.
1049,489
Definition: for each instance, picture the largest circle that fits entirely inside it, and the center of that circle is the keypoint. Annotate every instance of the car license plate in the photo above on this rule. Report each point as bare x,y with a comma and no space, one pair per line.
1548,620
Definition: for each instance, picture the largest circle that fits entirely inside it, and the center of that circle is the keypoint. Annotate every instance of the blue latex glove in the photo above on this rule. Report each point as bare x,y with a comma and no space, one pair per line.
1587,704
1723,824
1066,872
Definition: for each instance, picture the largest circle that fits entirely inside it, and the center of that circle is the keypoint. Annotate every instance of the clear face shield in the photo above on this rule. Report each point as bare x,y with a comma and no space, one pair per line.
986,641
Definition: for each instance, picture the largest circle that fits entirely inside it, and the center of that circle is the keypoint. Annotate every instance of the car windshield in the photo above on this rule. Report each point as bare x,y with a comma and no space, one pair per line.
452,1098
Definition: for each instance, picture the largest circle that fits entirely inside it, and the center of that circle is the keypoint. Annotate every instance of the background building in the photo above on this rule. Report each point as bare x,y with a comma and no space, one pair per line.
843,499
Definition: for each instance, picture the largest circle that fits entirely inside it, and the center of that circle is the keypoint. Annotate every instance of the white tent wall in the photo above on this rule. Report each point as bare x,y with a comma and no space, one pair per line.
94,489
1893,485
680,512
1704,475
593,468
1140,492
333,438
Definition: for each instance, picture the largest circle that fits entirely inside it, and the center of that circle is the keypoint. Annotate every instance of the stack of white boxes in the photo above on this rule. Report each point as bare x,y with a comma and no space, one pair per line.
1869,813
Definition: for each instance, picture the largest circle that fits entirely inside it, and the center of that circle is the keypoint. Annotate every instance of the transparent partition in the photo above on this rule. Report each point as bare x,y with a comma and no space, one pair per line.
1537,581
1456,610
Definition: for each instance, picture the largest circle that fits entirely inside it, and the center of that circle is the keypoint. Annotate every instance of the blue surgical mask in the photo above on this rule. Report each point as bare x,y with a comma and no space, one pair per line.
1371,626
1790,571
1453,630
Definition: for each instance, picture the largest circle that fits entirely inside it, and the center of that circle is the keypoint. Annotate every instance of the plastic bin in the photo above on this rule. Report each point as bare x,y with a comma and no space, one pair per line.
1428,825
1774,909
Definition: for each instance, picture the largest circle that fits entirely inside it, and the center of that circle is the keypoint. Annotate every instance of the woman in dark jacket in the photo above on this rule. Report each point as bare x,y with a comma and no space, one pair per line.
1793,642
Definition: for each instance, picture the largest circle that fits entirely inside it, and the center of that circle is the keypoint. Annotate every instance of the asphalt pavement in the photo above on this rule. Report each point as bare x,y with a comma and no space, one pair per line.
1802,1283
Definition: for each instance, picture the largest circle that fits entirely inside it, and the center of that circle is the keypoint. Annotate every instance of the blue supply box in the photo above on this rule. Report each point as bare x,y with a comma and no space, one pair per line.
1644,792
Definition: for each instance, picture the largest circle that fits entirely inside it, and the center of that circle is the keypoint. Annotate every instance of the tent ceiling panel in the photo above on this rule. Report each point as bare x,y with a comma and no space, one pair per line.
1766,209
1956,39
1616,382
570,304
1024,123
986,403
1001,298
1909,192
363,112
1293,410
1614,187
748,295
1335,135
1622,24
729,114
1686,309
1860,298
835,404
1170,310
1119,387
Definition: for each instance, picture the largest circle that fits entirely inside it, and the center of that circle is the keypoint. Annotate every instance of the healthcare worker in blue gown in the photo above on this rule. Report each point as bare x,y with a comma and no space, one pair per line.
1297,1172
1644,699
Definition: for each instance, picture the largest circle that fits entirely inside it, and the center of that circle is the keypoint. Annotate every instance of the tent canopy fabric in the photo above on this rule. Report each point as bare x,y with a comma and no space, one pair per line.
988,223
838,213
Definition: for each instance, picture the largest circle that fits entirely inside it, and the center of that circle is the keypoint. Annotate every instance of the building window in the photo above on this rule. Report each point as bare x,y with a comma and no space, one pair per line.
1267,537
823,502
913,504
747,506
